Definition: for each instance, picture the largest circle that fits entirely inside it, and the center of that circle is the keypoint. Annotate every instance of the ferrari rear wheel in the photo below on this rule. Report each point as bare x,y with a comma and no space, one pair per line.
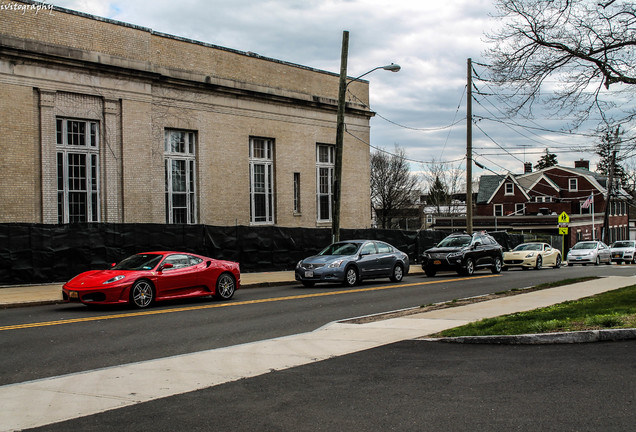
539,263
225,287
142,294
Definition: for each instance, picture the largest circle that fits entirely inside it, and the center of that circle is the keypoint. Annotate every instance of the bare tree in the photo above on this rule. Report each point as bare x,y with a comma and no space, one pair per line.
439,176
392,185
586,45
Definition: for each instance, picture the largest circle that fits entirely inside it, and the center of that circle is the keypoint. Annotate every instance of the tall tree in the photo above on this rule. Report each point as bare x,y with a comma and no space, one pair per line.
589,46
392,185
547,160
438,194
439,176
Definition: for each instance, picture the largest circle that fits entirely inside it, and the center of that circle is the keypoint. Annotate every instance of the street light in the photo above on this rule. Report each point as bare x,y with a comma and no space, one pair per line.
340,126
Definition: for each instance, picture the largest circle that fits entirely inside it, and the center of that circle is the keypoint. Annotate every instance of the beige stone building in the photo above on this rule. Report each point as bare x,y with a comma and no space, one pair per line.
103,121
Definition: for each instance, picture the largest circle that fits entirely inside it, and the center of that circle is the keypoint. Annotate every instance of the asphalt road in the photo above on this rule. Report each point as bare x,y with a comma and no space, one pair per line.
410,386
112,336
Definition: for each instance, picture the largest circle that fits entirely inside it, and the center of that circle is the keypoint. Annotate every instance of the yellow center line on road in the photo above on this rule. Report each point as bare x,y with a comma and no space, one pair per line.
227,304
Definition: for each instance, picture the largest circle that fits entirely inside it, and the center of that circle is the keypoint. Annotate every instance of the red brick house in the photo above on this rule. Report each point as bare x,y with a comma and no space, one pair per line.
531,203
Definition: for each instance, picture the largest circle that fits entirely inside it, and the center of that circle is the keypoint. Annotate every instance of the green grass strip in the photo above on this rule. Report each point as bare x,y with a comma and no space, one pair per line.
613,309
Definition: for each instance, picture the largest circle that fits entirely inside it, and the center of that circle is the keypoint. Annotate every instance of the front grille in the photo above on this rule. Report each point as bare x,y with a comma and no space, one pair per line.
313,266
439,256
513,261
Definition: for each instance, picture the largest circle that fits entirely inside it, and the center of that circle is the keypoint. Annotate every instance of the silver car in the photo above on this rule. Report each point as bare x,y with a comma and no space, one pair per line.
589,252
349,262
624,251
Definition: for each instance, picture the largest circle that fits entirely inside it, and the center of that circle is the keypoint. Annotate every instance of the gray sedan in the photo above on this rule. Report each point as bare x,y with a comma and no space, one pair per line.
349,262
589,252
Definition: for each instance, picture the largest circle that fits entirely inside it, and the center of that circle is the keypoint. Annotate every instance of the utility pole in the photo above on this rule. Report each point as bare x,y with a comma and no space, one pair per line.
610,187
337,181
469,148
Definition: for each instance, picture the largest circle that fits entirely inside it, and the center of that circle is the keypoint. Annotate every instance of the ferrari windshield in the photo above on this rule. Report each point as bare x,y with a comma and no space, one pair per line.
528,246
585,245
139,262
344,248
457,241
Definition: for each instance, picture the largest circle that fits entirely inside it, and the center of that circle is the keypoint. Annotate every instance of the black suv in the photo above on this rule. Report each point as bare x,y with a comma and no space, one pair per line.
464,254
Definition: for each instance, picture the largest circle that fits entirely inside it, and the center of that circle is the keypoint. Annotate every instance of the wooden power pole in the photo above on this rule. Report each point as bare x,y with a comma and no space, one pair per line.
469,149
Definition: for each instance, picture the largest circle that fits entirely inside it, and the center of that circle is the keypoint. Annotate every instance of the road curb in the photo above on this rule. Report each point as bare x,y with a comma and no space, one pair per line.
584,336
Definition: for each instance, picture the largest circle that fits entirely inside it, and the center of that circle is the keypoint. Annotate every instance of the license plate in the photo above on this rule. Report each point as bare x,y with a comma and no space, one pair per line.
73,294
437,262
309,274
578,258
617,255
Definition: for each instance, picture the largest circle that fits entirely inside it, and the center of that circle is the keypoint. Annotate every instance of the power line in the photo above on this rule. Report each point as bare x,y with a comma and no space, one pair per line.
433,129
406,158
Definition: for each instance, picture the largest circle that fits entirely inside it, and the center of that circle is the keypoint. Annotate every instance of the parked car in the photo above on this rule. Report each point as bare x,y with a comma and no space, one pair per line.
623,251
532,255
349,262
589,252
146,277
464,253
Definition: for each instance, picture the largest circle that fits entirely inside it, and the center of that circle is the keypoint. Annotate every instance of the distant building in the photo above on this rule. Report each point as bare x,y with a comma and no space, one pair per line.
532,201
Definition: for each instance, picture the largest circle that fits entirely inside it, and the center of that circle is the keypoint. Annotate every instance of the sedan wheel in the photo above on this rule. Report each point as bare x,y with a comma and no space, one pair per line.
598,260
539,263
398,273
225,287
351,277
142,294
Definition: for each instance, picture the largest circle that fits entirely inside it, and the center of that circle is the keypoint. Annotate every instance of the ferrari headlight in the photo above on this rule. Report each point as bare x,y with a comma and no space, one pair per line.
336,263
530,255
115,279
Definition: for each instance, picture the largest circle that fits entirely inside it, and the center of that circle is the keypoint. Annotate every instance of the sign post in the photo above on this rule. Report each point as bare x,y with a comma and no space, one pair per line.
563,223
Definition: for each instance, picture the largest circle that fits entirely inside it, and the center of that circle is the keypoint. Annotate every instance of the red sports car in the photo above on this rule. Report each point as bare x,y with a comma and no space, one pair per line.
144,278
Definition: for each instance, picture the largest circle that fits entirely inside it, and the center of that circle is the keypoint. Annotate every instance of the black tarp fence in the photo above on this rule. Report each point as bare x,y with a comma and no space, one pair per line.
36,253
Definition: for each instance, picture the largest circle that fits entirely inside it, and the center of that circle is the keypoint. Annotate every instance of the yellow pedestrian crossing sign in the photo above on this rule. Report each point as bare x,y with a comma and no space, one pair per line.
564,218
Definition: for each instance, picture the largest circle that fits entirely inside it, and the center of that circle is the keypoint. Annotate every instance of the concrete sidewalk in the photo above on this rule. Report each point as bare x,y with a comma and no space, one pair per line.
86,393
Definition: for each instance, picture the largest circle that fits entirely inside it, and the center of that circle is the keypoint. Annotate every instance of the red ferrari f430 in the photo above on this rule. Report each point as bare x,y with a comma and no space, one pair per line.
144,278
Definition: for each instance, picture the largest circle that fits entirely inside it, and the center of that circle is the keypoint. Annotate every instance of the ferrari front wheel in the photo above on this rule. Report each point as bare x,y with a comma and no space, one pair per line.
225,287
142,294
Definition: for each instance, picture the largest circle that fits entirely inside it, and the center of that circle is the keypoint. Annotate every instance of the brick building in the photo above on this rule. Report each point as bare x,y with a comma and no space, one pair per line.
104,121
531,202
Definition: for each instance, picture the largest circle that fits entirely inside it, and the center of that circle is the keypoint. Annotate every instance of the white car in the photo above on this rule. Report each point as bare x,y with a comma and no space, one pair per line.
589,252
532,255
624,251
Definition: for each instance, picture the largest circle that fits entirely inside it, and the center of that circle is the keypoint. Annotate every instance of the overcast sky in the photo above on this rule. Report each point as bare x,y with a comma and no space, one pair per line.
431,40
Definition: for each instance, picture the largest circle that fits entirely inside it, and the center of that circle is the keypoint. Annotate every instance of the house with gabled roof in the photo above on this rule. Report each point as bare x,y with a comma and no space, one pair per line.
531,203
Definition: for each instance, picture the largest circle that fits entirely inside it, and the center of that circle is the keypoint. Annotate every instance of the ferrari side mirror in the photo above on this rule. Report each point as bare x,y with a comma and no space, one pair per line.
165,266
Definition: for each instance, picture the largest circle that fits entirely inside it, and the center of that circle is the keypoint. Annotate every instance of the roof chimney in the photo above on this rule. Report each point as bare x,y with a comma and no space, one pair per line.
581,163
527,167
